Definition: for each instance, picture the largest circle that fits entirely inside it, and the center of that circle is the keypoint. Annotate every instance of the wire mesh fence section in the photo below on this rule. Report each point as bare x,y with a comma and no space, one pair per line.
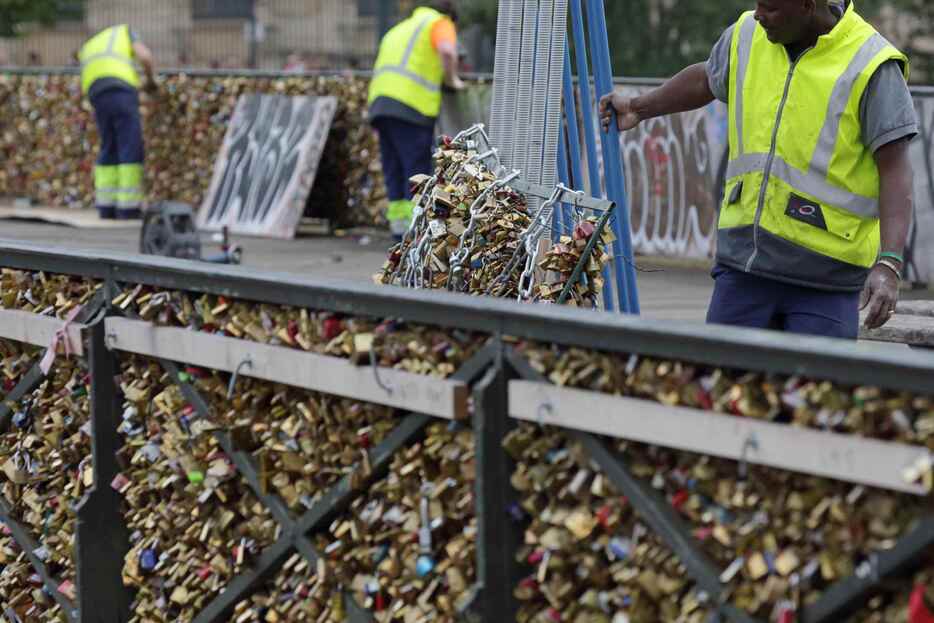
295,35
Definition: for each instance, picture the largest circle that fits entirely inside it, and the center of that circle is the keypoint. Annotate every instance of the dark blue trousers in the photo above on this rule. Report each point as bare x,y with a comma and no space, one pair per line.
118,176
406,151
120,127
745,300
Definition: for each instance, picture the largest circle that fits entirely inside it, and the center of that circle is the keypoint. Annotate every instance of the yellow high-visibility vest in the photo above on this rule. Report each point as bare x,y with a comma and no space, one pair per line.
801,202
408,68
108,54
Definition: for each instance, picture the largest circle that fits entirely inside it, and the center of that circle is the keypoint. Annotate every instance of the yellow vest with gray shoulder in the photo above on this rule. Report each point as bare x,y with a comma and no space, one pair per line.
801,202
408,68
108,54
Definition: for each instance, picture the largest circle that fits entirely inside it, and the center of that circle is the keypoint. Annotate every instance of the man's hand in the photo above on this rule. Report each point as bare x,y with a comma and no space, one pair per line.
880,296
456,84
626,116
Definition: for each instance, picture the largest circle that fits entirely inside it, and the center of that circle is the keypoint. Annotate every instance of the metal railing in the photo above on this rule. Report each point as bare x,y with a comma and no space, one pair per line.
505,390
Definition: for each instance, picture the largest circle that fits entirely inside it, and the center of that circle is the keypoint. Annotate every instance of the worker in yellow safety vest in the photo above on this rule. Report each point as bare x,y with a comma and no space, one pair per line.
818,197
416,58
110,80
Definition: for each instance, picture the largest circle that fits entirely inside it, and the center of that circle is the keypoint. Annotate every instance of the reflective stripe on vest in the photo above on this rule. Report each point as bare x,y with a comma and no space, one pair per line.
402,68
112,60
802,196
414,77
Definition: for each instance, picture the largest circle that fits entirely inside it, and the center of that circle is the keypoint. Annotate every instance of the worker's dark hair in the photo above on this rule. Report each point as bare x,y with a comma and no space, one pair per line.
448,7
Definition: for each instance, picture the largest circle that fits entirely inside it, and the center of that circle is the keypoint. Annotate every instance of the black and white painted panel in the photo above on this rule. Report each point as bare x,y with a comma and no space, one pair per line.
267,164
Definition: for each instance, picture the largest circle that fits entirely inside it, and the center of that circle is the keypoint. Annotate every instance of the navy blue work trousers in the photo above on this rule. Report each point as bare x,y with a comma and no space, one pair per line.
406,151
120,127
745,300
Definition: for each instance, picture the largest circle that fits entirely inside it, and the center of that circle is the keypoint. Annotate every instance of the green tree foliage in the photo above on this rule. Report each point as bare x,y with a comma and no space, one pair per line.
659,38
13,13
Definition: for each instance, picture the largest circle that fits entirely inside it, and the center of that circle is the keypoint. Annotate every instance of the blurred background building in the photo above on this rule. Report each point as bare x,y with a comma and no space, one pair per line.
649,38
295,35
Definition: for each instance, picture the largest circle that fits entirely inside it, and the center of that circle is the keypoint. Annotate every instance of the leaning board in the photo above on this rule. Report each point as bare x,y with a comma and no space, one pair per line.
267,165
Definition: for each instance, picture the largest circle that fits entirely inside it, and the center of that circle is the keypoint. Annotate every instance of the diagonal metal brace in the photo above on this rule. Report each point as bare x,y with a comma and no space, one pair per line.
846,596
335,500
653,509
276,506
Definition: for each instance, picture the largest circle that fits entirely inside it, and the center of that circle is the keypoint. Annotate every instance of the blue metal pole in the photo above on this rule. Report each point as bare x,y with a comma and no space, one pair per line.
590,139
612,161
560,215
587,106
619,259
570,107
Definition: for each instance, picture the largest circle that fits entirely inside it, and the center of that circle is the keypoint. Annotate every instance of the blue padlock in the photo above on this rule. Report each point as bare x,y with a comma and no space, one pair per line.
148,560
21,419
424,566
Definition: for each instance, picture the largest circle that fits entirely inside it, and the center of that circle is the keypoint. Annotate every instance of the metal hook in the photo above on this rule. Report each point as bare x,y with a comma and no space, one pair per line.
751,443
379,381
248,362
544,409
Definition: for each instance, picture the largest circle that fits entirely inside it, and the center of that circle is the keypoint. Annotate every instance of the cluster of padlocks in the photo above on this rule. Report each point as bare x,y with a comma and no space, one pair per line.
475,231
48,157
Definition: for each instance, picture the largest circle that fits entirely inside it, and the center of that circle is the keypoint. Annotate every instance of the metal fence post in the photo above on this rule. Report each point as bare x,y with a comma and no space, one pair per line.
498,538
102,538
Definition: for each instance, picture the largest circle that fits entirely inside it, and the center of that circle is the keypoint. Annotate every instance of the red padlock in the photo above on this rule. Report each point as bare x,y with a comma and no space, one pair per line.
332,328
918,611
679,498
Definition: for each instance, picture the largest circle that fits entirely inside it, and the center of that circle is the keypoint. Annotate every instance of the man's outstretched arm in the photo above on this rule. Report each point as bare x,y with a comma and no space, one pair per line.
688,90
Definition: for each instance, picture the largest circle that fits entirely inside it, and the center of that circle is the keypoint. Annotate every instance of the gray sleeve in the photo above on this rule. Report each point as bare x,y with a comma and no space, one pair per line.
887,112
718,66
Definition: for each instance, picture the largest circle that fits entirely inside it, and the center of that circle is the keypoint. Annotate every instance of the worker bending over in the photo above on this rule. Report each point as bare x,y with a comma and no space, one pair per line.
415,58
820,118
110,80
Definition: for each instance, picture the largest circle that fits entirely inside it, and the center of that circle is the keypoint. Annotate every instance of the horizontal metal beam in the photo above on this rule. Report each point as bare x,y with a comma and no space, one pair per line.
832,455
30,328
333,375
746,349
576,199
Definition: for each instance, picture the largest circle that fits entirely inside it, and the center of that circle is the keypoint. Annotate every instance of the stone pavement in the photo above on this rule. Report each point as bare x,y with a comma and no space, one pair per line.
673,293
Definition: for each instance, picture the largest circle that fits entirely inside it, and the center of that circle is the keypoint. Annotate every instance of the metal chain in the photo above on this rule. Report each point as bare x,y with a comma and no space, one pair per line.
468,239
530,239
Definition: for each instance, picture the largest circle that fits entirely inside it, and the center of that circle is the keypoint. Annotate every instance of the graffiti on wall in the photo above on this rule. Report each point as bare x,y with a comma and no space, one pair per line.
673,167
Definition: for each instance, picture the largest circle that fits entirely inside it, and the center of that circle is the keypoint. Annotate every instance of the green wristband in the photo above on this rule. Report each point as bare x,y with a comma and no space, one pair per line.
895,256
